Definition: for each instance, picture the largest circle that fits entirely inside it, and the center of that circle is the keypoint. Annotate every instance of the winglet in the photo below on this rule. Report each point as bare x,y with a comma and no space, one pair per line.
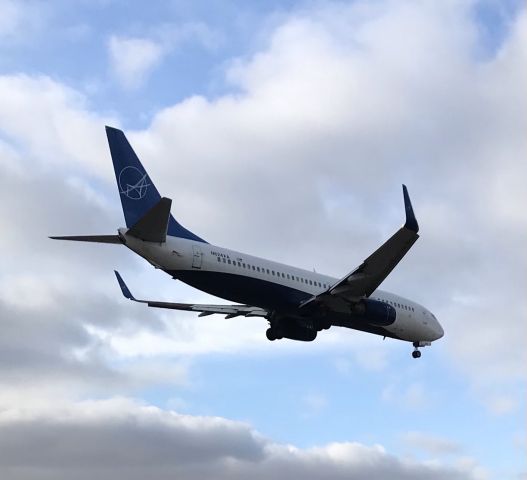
124,288
411,221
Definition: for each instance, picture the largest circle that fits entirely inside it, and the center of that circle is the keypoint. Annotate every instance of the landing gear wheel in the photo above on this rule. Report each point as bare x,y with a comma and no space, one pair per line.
416,354
270,334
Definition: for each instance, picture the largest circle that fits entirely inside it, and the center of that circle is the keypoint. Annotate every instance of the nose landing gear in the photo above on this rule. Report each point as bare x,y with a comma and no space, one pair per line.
416,353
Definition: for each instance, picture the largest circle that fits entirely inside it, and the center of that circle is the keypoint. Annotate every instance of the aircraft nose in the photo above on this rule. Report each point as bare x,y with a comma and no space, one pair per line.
437,328
439,331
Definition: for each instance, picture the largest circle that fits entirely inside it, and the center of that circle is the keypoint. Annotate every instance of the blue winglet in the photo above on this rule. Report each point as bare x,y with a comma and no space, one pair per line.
124,288
411,221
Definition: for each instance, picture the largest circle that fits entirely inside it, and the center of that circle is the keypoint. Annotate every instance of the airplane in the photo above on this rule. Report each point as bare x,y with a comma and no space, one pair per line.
297,303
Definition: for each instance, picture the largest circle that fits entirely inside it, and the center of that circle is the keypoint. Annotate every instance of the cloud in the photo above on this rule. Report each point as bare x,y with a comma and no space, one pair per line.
11,17
119,438
431,443
315,403
20,19
308,150
343,105
326,119
412,397
133,59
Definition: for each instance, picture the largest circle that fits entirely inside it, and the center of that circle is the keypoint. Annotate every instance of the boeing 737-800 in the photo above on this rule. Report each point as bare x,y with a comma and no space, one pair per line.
297,303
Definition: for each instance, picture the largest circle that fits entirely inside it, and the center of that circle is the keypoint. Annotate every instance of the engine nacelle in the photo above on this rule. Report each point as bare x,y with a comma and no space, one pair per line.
296,329
375,313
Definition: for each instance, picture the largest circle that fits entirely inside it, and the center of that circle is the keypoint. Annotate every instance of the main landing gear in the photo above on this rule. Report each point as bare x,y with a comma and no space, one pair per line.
273,334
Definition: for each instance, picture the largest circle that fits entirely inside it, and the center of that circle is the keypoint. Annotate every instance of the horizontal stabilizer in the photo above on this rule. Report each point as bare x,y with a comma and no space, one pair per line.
91,238
153,225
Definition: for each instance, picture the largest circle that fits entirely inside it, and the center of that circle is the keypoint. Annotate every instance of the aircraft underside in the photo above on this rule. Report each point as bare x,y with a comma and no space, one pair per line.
282,301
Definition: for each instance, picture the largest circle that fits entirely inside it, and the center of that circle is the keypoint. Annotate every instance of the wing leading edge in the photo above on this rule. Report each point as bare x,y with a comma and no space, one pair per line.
367,277
229,311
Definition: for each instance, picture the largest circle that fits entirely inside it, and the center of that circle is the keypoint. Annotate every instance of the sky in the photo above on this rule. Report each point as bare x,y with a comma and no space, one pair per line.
283,129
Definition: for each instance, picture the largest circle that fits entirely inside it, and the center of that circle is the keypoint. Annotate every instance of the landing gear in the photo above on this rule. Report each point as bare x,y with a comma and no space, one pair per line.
273,334
416,353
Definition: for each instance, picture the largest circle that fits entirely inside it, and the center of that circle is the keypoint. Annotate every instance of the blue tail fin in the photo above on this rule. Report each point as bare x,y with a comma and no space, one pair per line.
137,191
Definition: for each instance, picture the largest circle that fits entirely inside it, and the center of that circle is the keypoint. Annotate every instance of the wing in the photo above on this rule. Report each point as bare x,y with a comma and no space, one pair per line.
366,278
229,311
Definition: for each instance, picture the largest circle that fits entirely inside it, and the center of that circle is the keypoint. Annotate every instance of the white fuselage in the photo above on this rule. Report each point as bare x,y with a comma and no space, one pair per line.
193,261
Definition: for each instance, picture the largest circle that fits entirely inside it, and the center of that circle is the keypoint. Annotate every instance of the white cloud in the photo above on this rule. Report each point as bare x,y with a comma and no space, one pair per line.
315,402
20,20
133,59
503,404
329,120
412,397
11,17
432,444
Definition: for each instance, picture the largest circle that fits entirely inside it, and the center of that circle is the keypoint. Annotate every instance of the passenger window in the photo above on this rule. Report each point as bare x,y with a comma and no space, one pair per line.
272,271
219,259
243,265
229,262
310,282
288,276
258,269
267,271
239,264
283,275
254,268
224,261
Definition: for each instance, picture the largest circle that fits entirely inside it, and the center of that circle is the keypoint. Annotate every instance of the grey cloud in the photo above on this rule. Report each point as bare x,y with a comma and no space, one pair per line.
120,439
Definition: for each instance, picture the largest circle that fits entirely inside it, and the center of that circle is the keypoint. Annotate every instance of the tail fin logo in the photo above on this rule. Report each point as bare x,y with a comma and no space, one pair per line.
133,183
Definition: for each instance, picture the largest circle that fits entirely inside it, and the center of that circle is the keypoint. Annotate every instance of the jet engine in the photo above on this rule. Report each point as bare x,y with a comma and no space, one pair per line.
374,312
292,328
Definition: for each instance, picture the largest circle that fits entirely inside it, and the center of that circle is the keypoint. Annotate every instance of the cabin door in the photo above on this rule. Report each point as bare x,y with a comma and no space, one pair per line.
197,256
